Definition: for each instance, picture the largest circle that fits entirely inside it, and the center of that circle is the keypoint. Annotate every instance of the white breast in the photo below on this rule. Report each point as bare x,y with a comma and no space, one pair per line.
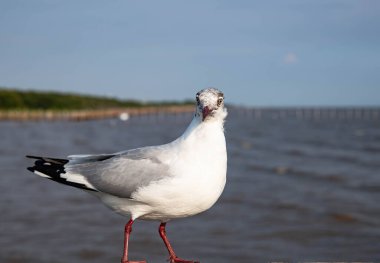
199,175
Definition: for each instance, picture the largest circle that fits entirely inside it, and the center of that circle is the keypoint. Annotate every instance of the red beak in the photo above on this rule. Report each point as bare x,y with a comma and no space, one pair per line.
205,112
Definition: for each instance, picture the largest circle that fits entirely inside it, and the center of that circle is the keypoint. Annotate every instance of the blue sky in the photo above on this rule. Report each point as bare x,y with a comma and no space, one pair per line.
260,53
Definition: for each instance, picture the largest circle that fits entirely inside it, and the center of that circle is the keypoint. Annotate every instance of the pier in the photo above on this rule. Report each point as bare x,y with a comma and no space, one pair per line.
306,113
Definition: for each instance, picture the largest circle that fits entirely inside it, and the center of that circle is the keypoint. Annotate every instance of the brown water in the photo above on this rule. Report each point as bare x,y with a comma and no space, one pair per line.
297,190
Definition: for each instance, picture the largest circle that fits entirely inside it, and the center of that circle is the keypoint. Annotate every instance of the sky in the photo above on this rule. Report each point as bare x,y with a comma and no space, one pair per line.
259,53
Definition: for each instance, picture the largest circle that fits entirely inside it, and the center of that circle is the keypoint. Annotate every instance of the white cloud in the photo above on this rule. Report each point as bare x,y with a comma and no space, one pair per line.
290,58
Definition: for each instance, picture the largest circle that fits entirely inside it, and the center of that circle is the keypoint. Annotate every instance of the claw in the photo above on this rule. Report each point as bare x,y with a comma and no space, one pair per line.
173,258
180,260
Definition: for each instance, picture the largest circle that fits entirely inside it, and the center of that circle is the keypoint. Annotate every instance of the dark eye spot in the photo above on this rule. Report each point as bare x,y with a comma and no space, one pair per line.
197,97
220,100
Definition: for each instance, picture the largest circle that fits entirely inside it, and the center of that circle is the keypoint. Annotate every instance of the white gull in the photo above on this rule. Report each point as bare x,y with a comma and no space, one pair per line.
174,180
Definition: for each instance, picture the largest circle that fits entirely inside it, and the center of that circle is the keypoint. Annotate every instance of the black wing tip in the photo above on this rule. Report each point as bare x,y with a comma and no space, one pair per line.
54,170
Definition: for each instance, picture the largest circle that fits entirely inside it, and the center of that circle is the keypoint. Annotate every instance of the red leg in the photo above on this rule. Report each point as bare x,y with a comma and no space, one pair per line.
173,257
127,233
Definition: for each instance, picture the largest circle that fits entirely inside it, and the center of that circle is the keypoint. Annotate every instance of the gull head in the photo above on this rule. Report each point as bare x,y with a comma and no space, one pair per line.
210,105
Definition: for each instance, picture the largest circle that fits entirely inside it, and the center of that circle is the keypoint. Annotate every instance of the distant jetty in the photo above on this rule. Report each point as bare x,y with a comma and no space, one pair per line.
310,113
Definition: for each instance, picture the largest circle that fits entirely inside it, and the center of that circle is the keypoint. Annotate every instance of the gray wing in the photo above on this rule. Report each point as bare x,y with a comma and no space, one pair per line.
120,174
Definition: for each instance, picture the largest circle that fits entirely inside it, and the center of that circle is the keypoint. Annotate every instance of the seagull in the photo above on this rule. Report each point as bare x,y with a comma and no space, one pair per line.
175,180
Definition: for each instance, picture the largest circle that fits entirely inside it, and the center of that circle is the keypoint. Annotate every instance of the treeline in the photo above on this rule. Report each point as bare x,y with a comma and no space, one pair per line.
12,99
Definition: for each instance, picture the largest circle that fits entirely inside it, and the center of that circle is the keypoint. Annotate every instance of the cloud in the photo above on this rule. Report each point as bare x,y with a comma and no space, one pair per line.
290,58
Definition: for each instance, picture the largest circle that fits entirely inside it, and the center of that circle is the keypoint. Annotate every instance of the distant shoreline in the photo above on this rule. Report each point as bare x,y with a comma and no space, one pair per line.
29,105
254,113
90,114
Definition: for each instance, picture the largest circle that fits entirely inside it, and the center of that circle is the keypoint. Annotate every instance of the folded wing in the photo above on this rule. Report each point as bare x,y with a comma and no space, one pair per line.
118,174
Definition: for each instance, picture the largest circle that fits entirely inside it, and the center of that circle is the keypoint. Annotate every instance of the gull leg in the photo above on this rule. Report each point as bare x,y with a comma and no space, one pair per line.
172,256
127,233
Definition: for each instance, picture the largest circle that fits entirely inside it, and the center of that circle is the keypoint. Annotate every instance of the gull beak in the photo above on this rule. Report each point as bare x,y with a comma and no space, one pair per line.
205,112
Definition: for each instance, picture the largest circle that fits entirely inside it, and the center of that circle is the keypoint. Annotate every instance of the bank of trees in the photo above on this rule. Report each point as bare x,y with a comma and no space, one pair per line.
19,99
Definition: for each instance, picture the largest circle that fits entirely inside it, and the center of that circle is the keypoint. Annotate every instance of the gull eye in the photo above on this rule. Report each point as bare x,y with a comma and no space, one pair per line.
220,100
197,97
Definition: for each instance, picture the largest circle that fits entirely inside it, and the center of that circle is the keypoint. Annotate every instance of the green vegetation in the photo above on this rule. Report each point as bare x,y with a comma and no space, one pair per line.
12,99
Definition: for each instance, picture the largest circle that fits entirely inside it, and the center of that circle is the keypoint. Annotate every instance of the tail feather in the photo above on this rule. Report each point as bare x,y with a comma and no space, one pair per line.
53,169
